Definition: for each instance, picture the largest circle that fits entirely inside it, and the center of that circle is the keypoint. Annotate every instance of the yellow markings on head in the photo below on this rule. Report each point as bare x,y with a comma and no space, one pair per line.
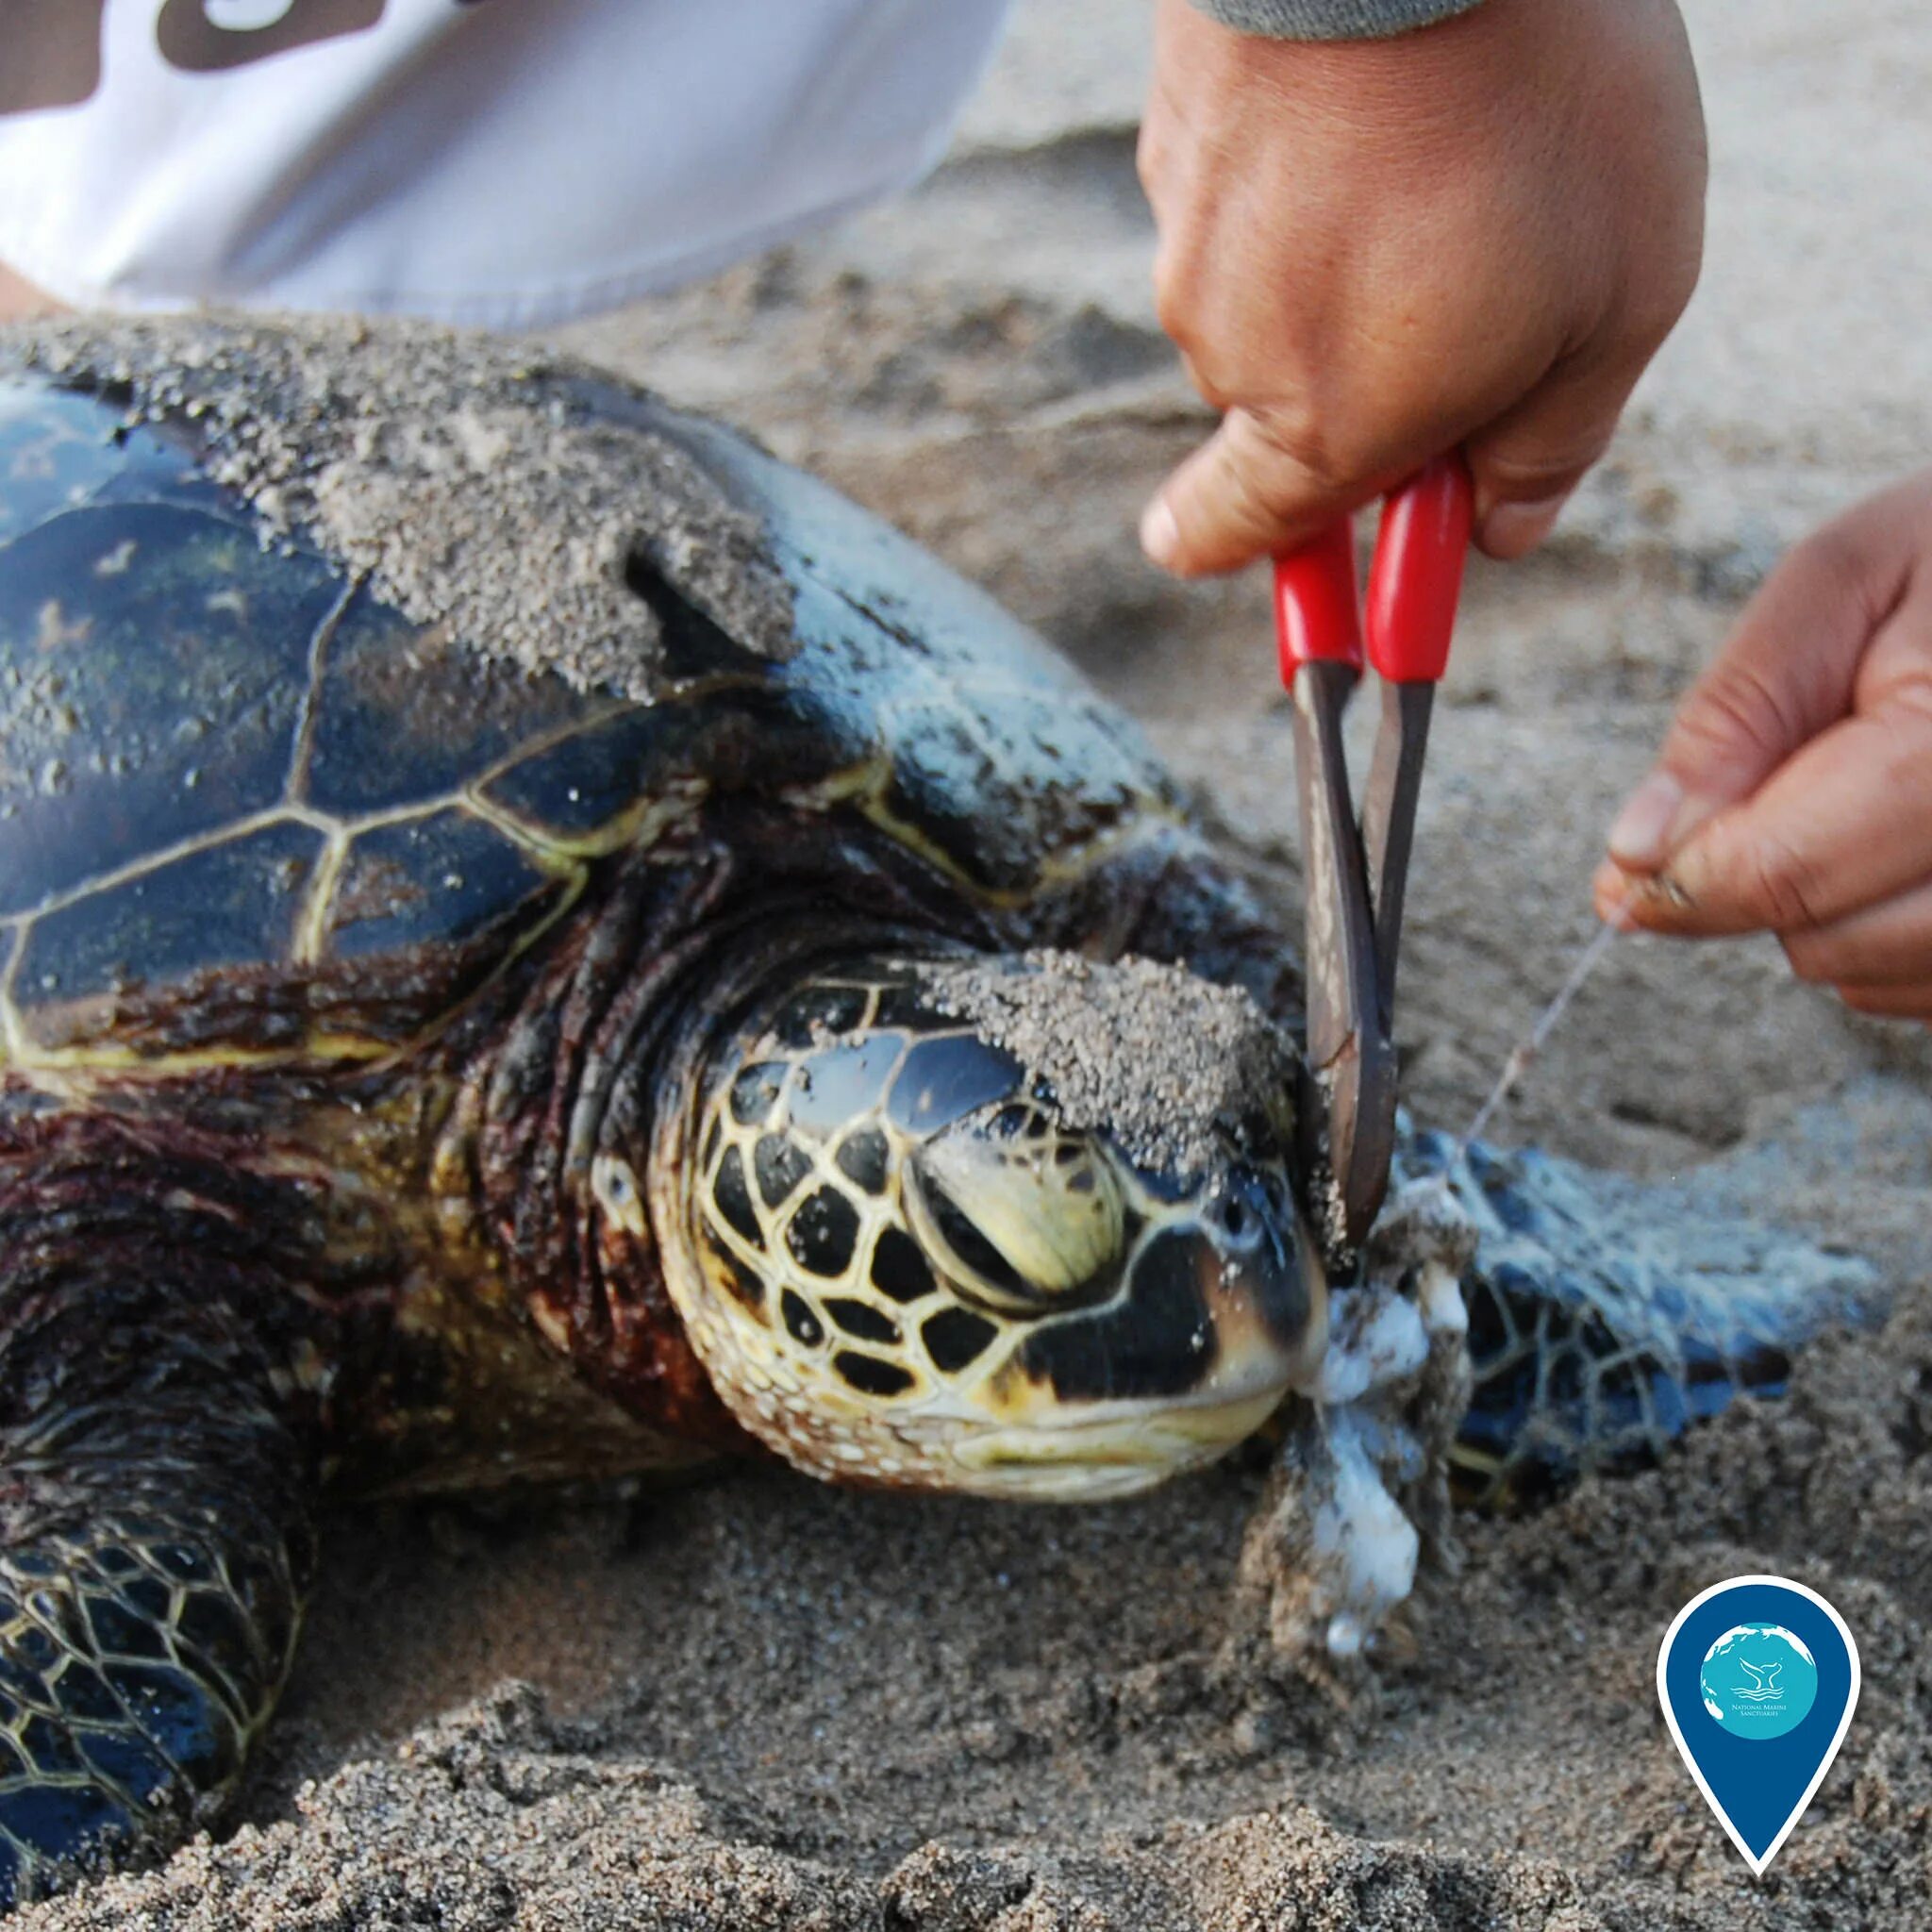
933,1283
1044,1201
818,1286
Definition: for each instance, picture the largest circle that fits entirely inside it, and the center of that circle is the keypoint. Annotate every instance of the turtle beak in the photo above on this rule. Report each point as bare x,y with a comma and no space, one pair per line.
1094,1456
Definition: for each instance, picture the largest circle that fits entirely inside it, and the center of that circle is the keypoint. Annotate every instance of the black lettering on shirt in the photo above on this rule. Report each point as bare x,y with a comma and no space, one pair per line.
191,40
50,52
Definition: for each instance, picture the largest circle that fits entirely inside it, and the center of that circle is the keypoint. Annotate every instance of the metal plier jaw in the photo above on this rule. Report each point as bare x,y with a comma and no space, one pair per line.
1355,871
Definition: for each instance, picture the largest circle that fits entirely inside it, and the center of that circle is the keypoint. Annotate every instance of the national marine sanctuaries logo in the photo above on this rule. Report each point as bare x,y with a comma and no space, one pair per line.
1758,1677
1759,1680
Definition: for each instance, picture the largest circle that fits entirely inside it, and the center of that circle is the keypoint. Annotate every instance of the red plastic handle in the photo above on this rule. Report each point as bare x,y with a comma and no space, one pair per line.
1318,602
1418,575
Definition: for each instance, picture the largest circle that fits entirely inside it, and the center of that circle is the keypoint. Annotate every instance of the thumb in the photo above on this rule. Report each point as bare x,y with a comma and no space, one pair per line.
1245,493
1785,674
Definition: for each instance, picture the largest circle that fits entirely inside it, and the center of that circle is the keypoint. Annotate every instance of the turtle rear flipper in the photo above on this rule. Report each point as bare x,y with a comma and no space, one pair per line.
1602,1324
154,1550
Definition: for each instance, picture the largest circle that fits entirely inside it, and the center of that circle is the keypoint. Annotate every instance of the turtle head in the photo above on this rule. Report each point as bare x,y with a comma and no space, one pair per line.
919,1239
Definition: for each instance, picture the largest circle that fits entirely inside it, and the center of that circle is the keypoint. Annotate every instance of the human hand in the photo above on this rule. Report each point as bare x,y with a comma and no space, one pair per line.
19,301
1794,792
1372,251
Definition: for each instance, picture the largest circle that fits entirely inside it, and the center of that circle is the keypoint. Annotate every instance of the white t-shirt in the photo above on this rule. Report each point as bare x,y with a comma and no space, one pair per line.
504,162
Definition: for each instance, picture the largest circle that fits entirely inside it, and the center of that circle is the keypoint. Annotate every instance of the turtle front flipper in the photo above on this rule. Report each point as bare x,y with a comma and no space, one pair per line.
1604,1319
154,1551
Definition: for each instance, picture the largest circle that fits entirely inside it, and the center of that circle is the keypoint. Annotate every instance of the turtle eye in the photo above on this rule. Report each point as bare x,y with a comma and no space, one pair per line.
1019,1216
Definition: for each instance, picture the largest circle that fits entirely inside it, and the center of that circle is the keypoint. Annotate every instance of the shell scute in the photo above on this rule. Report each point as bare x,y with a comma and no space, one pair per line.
447,878
59,450
593,778
592,787
152,669
160,464
53,454
222,906
405,716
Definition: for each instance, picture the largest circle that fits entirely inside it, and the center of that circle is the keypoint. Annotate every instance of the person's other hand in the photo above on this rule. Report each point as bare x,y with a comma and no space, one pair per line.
1372,251
1794,792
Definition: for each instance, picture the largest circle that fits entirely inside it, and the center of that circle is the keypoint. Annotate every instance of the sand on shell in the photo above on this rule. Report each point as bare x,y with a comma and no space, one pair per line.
403,453
756,1704
1160,1061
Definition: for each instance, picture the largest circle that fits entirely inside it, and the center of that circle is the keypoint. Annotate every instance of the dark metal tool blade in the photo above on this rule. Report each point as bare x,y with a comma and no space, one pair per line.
1347,1111
1396,783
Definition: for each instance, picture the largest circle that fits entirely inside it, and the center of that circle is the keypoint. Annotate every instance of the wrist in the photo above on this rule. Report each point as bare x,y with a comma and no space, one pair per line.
1331,20
1491,78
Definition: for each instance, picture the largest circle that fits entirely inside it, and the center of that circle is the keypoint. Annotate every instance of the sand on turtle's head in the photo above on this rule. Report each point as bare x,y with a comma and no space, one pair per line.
1151,1053
461,474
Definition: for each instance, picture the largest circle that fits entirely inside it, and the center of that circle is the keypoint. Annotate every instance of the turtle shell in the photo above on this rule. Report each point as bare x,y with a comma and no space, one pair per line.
232,762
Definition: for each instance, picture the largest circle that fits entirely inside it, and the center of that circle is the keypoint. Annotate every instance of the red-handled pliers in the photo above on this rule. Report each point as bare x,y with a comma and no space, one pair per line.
1355,872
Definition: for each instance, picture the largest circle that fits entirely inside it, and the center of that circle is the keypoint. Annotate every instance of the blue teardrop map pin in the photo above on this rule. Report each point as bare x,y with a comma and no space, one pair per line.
1759,1678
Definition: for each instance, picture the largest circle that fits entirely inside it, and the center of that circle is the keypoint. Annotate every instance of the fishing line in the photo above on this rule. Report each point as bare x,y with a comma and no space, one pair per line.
1522,1055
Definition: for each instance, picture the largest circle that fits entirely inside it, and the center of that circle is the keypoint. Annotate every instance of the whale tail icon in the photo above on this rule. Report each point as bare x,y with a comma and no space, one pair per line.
1763,1680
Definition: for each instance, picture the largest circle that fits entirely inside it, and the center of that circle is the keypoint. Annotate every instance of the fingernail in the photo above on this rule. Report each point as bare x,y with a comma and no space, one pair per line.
1641,836
1513,529
1160,536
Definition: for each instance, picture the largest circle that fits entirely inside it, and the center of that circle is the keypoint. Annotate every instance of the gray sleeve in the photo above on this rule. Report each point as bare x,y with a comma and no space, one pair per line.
1332,20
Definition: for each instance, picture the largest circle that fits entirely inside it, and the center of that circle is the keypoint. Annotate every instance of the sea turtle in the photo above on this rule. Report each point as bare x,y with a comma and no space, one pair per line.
538,940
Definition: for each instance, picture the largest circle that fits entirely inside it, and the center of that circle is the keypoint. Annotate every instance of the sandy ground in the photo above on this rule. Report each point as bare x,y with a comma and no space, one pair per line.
752,1703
